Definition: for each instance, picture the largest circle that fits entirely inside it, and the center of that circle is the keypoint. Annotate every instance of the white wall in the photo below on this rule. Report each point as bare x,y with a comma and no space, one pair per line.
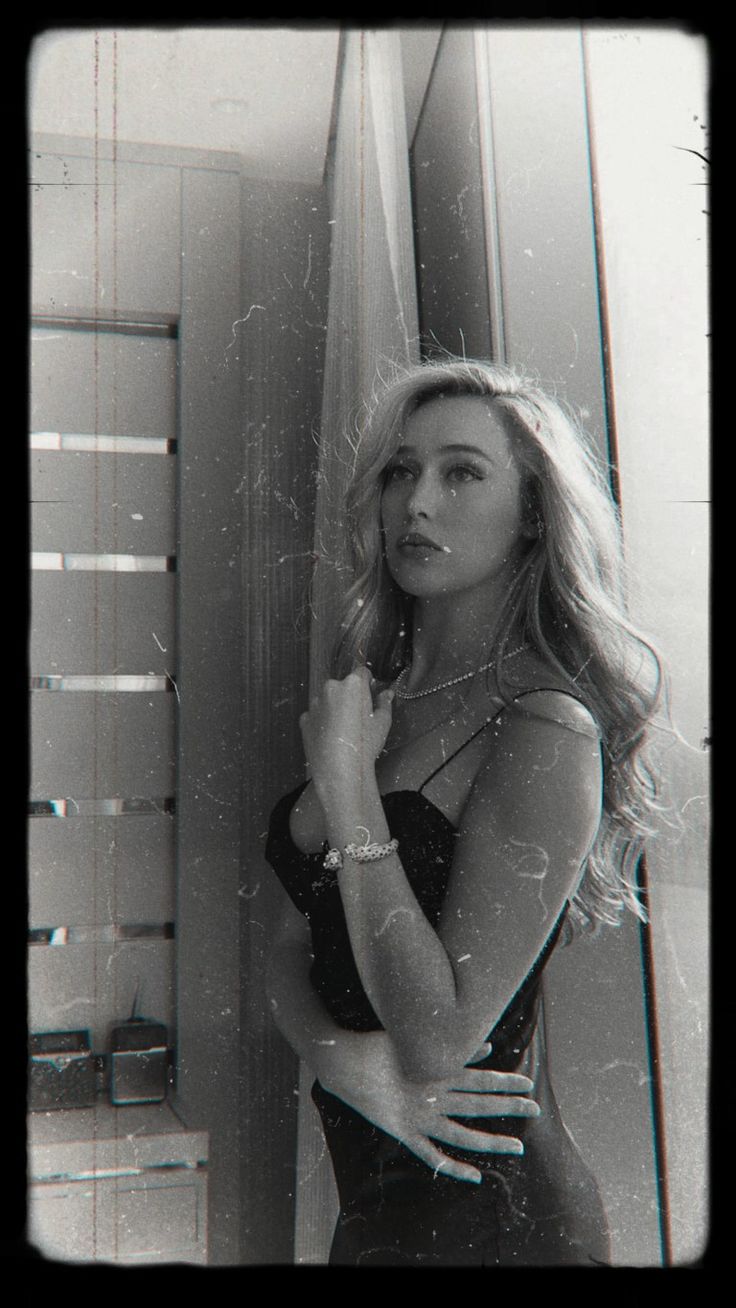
647,104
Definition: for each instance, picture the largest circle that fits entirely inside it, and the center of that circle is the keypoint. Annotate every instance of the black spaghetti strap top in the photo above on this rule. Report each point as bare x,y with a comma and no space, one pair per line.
427,838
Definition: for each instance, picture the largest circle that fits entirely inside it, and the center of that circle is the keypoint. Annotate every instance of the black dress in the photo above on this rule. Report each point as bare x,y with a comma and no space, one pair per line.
539,1209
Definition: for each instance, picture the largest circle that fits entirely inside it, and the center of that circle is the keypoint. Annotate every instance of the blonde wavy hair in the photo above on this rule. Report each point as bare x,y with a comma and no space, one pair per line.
567,601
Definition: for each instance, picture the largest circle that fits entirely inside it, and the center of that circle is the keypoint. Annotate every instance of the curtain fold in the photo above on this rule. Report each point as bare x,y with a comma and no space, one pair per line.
372,323
372,317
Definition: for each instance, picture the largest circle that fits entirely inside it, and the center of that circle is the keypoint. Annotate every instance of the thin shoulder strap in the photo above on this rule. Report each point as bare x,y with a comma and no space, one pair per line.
489,721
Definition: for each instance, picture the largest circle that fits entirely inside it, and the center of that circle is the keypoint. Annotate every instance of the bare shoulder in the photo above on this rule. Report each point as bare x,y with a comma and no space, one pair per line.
539,691
543,758
550,705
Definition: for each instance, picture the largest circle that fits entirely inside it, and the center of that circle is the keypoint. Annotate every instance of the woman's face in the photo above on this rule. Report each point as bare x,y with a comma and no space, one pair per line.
451,508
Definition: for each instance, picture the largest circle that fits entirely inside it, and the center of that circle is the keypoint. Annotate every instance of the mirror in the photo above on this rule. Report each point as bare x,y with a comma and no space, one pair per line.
233,230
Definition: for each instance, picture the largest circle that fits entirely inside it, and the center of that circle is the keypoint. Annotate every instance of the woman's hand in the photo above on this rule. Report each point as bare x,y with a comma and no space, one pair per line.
345,730
419,1114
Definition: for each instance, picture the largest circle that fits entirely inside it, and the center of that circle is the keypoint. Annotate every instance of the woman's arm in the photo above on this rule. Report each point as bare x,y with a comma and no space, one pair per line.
297,1009
361,1069
529,823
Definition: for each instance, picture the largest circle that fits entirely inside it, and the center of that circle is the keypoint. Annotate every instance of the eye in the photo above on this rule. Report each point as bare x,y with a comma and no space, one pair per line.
464,472
397,472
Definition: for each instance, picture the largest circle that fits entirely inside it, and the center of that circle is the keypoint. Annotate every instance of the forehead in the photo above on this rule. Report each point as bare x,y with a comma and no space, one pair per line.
459,420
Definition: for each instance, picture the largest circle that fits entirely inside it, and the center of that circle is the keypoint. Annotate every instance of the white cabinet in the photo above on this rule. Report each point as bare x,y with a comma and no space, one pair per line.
125,1185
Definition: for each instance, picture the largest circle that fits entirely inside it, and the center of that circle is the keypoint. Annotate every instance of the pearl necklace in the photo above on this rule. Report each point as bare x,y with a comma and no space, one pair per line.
418,694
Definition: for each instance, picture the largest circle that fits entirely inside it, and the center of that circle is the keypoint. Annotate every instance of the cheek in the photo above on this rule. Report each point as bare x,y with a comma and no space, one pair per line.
493,523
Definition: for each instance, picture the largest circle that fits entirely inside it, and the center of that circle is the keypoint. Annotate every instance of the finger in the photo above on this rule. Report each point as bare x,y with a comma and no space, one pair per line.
485,1049
473,1080
382,705
440,1163
360,680
481,1142
482,1105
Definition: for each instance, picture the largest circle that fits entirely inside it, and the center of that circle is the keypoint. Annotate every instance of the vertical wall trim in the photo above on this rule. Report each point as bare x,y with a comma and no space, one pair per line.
209,641
609,399
655,1064
490,210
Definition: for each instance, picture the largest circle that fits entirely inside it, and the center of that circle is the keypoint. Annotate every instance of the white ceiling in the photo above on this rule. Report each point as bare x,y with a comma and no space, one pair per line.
265,94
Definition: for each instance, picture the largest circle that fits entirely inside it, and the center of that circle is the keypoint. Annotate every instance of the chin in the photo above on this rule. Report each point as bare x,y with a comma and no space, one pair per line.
426,587
414,576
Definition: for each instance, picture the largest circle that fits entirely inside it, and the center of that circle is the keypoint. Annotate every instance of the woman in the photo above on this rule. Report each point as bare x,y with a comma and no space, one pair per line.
477,789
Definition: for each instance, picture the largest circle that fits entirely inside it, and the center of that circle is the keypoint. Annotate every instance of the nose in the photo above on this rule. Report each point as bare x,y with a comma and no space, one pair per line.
421,502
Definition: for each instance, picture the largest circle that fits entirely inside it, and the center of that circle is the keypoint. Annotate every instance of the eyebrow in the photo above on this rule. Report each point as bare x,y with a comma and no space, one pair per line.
451,449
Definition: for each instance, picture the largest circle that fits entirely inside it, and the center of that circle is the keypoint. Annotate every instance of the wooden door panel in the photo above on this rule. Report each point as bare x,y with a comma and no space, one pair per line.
113,382
87,746
103,623
112,869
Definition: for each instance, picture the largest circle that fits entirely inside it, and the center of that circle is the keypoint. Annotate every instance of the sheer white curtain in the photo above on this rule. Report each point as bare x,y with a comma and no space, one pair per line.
372,300
372,321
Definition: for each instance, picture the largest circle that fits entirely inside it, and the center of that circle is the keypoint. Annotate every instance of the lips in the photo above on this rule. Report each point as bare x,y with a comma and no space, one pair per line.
414,540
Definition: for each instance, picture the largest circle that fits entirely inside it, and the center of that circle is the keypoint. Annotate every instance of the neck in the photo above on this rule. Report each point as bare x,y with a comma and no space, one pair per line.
453,634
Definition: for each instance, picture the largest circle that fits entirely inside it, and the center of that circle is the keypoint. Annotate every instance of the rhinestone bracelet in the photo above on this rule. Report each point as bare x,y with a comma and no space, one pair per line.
333,859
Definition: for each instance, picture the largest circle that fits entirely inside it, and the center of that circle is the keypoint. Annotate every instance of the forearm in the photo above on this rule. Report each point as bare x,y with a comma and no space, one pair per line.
404,967
363,1070
339,1058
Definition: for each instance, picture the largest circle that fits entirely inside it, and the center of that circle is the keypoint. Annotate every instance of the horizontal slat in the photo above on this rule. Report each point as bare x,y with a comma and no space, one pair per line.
58,937
53,561
104,684
105,869
104,1139
69,808
109,504
104,232
93,986
88,745
102,384
102,623
140,325
86,443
